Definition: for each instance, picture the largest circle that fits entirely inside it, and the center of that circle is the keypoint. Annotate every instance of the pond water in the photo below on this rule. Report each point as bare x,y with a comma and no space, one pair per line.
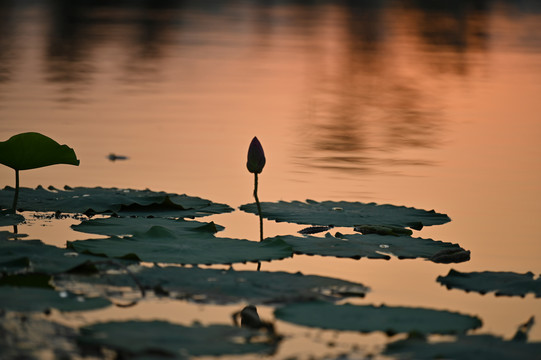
400,102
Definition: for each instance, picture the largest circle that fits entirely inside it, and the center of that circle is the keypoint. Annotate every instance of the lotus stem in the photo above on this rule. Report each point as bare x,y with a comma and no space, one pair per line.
16,196
258,209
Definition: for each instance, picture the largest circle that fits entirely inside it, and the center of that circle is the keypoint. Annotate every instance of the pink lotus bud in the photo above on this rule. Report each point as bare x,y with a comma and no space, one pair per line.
256,157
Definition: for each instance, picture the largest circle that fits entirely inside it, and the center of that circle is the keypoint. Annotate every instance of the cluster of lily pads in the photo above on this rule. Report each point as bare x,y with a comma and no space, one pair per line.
149,244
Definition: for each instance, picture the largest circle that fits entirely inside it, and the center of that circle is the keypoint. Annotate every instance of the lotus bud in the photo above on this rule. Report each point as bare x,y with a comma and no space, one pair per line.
256,157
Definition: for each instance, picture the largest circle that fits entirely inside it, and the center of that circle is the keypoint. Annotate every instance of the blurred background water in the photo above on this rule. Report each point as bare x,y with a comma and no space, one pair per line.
418,103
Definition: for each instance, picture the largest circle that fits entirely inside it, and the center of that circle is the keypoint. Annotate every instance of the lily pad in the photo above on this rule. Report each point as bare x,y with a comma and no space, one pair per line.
371,246
175,341
130,226
33,256
347,214
465,347
368,318
39,299
163,245
227,286
111,200
33,150
9,218
500,282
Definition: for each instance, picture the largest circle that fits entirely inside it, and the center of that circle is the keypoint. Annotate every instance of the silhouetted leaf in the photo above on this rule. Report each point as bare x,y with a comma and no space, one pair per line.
371,246
9,218
111,200
453,255
33,150
523,331
227,286
465,347
27,280
349,214
40,299
131,226
163,245
24,256
368,318
501,282
177,341
314,229
382,230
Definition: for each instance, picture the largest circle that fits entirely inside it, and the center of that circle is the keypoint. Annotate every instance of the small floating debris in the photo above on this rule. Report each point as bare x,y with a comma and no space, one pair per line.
115,157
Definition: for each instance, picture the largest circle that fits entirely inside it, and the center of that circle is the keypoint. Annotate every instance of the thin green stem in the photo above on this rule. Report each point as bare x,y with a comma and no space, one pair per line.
16,196
258,209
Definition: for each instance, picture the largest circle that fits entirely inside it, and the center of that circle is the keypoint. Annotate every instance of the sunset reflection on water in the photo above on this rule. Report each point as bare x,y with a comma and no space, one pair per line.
409,103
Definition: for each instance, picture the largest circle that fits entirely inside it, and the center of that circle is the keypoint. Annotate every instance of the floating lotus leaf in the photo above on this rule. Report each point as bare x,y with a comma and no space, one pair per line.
27,256
130,226
371,246
163,245
348,214
33,150
465,347
111,200
500,282
9,218
368,318
142,338
227,286
40,299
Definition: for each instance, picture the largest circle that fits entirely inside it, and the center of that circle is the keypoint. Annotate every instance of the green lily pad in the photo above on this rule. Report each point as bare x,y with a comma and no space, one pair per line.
465,347
116,226
163,245
176,341
111,200
371,246
33,150
39,299
226,286
368,318
500,282
347,214
33,256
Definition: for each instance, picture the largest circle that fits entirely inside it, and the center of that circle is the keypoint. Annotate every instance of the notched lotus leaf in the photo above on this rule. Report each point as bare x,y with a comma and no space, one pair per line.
164,245
368,318
111,200
33,256
371,246
465,347
347,214
33,150
500,282
34,299
117,226
227,286
142,338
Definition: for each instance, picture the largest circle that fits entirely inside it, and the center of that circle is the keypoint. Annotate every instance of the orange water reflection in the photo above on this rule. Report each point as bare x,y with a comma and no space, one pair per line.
432,107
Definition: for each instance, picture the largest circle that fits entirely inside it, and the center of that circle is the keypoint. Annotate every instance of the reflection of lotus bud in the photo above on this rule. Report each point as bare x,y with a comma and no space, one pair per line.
256,157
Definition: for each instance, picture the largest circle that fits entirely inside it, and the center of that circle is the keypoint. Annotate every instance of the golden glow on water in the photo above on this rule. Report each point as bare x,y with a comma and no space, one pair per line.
392,109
